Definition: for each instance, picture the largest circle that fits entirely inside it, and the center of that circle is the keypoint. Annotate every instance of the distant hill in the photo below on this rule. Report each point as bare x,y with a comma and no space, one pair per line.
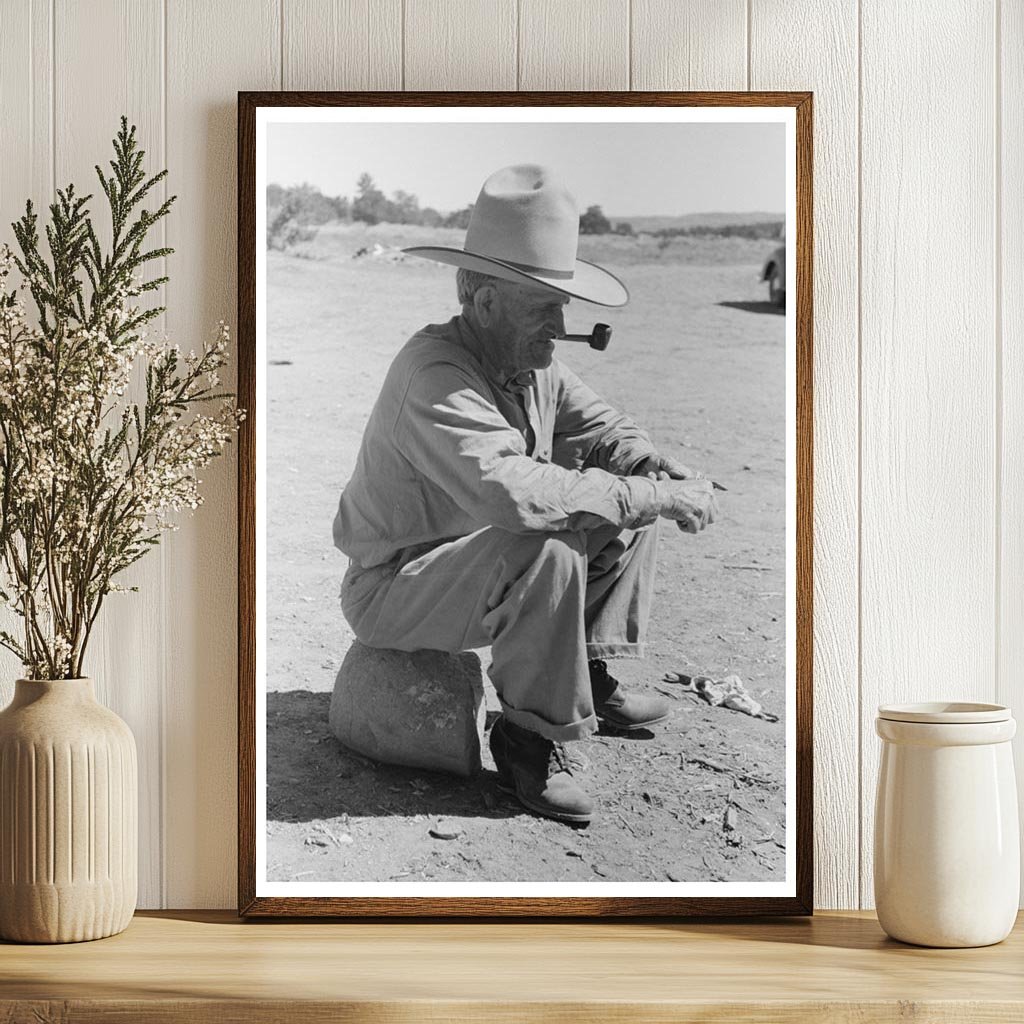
698,220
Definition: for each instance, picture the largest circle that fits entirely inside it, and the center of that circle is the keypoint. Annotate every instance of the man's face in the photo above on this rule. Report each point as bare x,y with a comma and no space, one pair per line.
526,320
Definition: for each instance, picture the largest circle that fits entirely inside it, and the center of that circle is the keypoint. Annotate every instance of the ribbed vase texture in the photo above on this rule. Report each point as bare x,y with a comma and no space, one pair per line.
68,815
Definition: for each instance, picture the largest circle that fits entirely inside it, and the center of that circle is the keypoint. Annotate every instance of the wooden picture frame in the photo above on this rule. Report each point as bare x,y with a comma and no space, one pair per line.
253,899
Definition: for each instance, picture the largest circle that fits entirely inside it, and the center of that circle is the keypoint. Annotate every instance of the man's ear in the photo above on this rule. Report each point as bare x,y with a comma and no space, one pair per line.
486,303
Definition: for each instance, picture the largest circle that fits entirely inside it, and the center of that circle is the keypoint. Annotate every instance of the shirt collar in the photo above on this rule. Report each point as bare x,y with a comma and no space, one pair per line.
521,381
518,381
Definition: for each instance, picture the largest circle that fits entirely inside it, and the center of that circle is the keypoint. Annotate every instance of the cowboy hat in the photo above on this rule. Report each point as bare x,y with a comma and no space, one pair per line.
525,228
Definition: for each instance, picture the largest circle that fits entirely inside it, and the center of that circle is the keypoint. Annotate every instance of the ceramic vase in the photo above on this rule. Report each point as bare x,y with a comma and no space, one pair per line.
68,815
947,847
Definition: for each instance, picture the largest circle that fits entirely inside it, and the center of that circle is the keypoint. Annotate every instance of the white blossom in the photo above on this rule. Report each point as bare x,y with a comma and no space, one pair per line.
87,481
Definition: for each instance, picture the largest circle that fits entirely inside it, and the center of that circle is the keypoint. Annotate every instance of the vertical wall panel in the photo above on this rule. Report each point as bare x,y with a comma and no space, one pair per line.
26,119
928,363
26,103
1011,315
574,44
213,51
342,44
689,44
815,47
460,44
124,654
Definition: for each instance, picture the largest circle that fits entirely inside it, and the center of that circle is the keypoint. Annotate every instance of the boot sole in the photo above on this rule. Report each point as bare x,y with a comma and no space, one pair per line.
632,726
574,819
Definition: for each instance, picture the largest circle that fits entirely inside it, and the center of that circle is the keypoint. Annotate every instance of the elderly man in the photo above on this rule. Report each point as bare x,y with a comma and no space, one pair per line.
498,501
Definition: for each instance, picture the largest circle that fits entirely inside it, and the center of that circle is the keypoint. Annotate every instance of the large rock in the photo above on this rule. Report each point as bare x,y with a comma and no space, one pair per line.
424,709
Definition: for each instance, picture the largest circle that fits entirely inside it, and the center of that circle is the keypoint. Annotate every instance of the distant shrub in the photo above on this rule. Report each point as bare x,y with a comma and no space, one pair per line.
294,208
458,219
284,234
371,206
285,227
594,222
766,229
307,204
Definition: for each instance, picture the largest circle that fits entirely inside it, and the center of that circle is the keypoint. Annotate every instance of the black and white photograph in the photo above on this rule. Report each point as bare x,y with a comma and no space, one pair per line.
525,462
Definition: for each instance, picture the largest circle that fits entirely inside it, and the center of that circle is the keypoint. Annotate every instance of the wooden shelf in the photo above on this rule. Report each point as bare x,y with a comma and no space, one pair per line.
210,967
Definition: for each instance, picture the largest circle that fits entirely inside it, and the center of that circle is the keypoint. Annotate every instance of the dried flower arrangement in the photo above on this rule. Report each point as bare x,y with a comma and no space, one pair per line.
88,477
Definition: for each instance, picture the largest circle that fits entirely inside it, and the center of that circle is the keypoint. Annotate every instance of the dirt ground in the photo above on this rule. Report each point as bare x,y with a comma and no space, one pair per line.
698,359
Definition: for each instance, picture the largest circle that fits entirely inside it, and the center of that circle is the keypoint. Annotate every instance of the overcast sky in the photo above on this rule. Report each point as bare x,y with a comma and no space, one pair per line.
627,169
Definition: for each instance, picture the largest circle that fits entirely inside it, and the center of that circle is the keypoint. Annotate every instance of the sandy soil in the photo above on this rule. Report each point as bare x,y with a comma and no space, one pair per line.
697,358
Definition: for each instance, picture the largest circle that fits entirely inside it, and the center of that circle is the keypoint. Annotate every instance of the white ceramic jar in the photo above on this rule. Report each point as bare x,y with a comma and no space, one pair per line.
947,847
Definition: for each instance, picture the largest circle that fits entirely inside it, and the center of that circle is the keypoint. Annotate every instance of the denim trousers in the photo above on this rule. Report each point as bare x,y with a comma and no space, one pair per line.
544,602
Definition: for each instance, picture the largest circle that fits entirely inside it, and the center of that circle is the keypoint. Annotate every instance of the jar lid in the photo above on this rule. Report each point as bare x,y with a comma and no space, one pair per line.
945,712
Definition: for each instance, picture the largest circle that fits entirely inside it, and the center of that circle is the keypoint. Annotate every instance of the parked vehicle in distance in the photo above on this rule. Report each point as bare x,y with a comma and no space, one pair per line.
774,272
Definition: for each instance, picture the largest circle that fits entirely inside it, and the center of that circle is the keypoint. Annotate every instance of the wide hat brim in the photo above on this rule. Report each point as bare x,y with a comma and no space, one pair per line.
588,281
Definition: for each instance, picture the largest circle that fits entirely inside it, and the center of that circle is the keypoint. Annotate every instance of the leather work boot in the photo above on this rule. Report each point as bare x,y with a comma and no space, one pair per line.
619,708
536,771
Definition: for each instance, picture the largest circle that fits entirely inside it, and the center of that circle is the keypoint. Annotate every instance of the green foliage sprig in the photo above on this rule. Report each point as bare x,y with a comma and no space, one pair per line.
88,477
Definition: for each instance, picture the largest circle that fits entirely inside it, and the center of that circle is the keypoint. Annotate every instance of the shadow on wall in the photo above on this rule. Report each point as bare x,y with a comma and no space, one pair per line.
201,562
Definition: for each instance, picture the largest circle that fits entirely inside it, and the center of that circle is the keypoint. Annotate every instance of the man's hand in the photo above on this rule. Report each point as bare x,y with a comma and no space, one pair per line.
691,503
661,467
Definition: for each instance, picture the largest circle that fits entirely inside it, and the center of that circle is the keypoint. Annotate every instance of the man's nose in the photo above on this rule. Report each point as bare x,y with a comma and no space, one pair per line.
560,322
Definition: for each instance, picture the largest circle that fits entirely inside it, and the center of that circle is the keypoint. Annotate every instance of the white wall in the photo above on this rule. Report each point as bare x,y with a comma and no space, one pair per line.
919,324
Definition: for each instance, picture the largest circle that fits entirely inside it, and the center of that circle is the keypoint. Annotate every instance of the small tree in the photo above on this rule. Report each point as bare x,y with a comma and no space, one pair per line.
285,227
459,218
339,206
594,222
370,204
88,478
429,217
312,206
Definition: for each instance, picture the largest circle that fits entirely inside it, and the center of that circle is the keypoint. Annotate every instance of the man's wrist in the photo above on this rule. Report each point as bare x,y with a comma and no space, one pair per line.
646,499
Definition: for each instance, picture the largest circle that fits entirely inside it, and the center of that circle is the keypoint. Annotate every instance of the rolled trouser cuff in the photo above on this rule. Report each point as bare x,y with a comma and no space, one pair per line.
578,730
614,650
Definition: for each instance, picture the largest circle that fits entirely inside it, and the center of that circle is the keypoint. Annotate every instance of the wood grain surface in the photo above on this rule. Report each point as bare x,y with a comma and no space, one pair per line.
701,44
229,45
468,45
832,75
200,967
574,44
26,128
133,678
1010,371
928,367
341,44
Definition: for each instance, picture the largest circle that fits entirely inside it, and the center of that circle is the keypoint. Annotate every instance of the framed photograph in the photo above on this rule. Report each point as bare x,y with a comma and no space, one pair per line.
525,493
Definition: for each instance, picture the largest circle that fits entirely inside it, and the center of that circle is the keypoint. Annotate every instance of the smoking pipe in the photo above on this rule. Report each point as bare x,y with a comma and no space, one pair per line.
598,338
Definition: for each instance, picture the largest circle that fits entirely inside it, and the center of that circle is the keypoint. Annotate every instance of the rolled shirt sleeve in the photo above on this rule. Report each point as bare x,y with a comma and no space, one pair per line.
451,431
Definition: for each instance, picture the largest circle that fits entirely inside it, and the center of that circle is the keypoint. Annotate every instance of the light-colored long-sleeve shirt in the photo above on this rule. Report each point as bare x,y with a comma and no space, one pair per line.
450,448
